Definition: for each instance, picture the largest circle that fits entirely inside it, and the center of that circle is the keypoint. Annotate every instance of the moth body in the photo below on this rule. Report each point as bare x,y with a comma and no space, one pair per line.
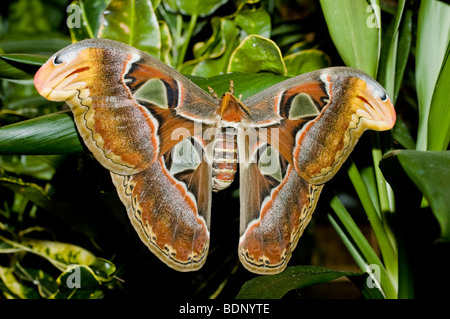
225,159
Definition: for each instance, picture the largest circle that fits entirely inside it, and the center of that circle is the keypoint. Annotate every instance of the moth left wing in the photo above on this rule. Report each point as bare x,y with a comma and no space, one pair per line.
140,119
126,104
311,123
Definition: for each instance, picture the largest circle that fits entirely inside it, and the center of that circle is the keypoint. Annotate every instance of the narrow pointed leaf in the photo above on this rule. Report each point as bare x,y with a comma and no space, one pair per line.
439,120
433,38
354,27
49,134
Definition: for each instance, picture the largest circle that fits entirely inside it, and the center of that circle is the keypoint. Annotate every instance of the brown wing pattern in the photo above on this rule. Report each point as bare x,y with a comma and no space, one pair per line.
135,114
313,121
165,215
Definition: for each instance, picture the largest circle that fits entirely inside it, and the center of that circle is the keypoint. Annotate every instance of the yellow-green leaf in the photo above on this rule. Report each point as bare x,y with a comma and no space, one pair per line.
257,54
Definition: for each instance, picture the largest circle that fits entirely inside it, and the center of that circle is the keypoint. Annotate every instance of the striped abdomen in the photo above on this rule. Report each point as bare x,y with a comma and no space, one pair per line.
225,159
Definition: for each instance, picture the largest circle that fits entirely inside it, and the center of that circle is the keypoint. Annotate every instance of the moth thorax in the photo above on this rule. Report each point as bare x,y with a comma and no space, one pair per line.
225,159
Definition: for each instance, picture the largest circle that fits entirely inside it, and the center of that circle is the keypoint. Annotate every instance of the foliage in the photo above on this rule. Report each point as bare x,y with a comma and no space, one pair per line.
48,182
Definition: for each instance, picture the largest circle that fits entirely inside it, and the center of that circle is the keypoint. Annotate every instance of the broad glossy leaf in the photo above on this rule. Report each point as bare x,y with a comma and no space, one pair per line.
295,277
430,172
354,27
245,84
433,38
306,61
257,54
79,27
132,22
199,7
93,10
254,22
87,278
78,282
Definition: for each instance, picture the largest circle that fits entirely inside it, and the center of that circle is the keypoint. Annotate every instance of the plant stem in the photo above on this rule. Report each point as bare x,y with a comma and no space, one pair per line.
186,39
381,182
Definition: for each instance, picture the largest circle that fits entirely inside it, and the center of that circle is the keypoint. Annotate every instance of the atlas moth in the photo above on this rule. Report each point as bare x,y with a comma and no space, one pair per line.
168,144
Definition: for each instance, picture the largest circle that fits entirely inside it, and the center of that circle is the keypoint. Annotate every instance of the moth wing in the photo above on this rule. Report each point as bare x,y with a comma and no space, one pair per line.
316,119
276,206
140,118
125,102
169,205
311,123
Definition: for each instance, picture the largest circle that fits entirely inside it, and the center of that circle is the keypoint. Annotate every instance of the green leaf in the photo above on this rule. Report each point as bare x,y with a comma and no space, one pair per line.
306,61
21,66
92,13
132,22
401,134
216,56
45,283
199,7
354,27
254,22
40,167
34,45
216,44
78,282
390,54
79,27
9,72
26,58
360,248
45,135
245,84
166,43
296,277
439,120
14,287
63,255
257,54
430,172
374,215
433,40
87,278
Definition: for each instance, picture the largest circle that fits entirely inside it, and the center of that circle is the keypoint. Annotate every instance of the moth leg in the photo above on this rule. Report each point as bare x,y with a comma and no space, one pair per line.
213,93
232,87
